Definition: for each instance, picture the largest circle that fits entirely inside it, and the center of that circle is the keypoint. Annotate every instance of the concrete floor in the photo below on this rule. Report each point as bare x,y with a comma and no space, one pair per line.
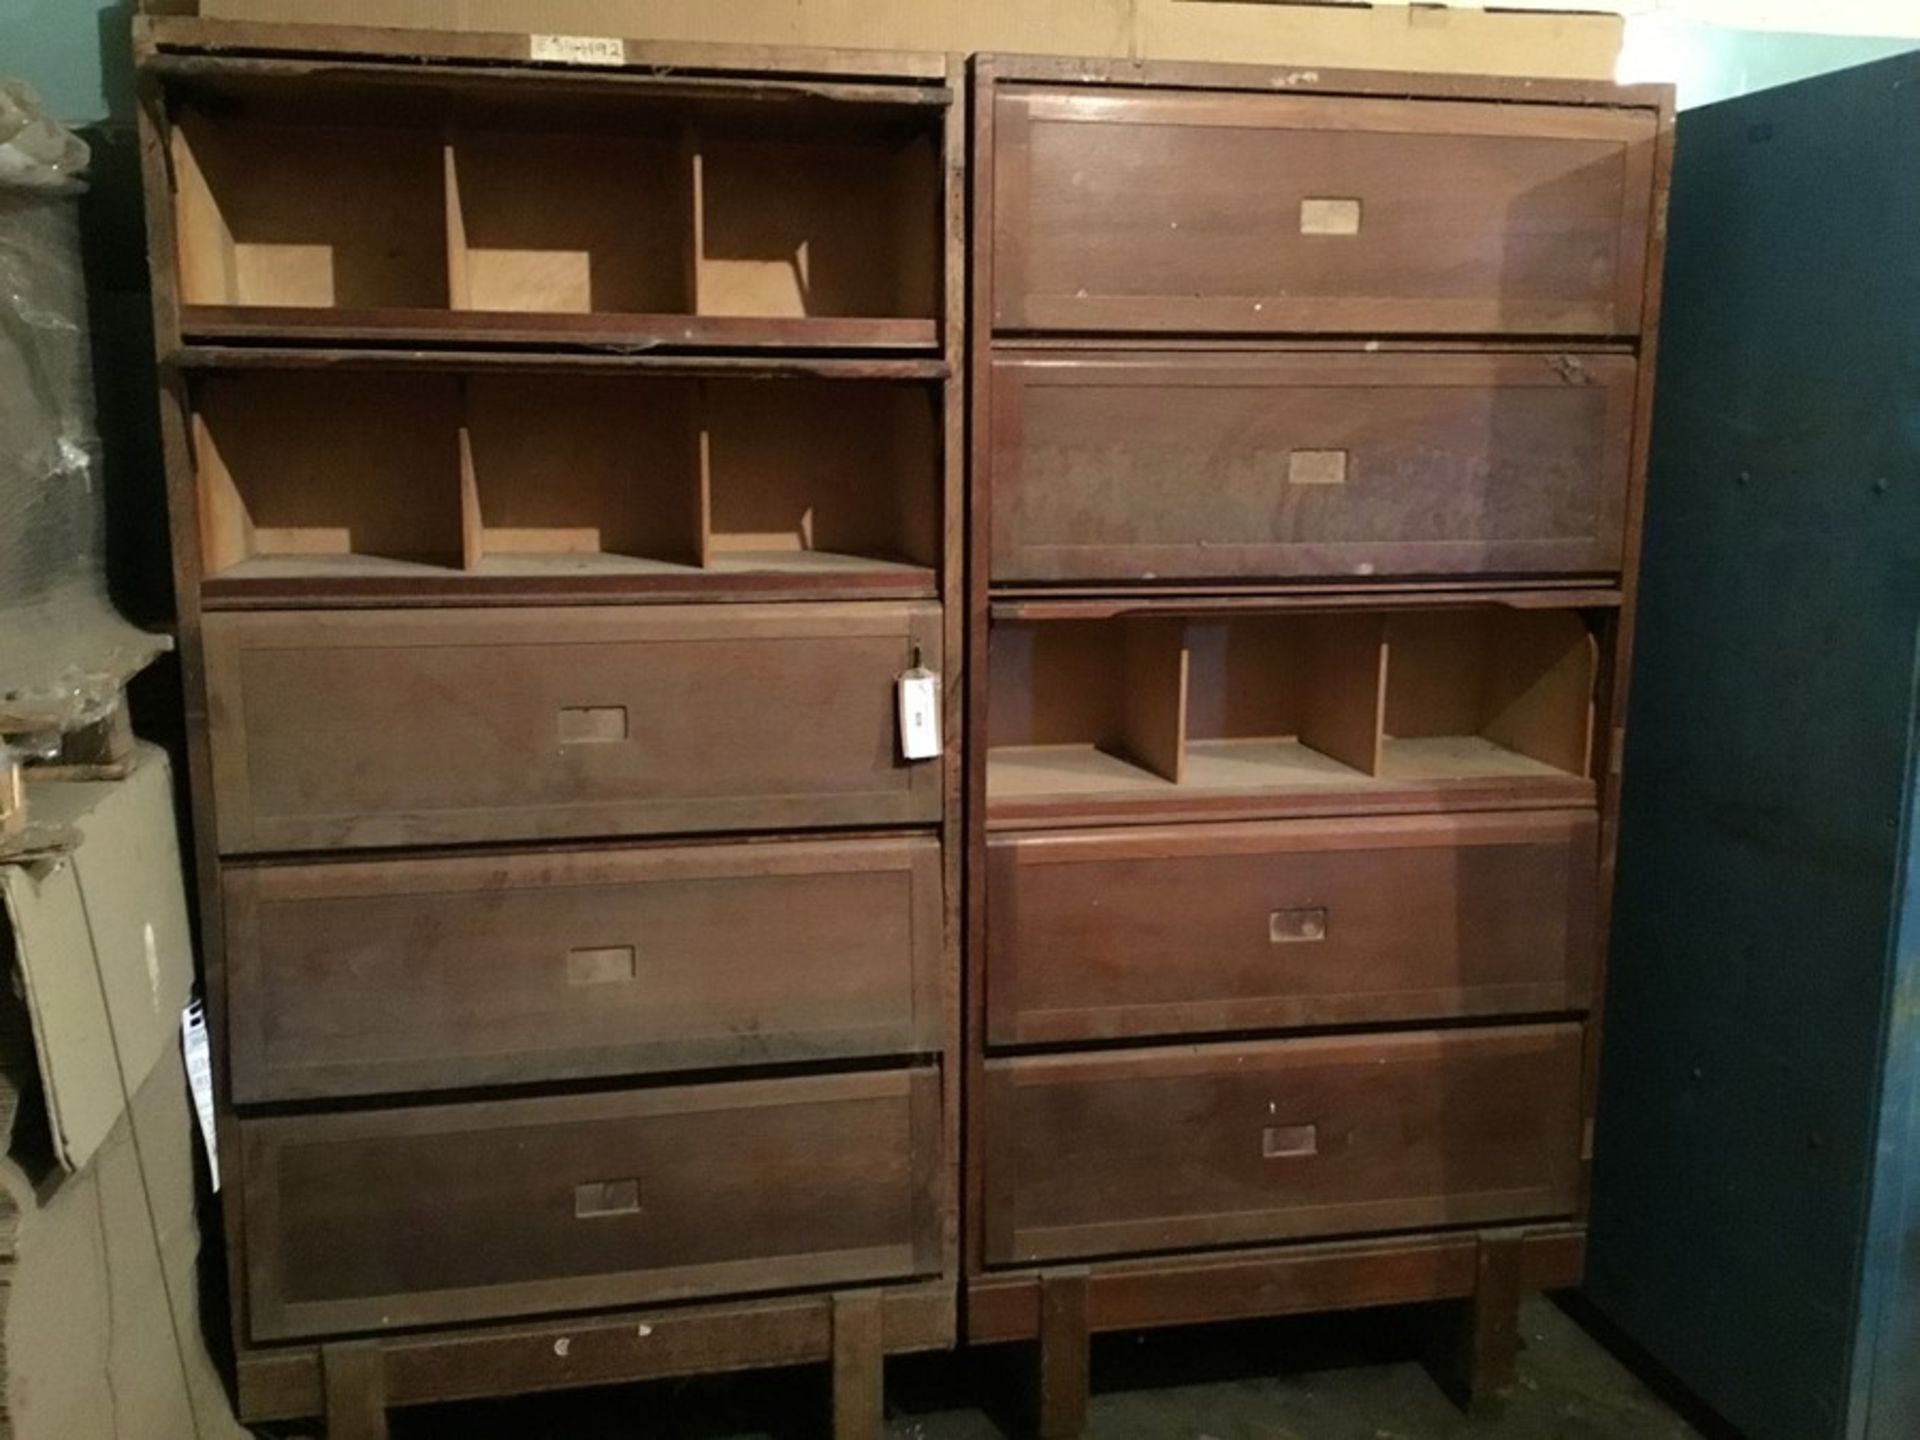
1347,1377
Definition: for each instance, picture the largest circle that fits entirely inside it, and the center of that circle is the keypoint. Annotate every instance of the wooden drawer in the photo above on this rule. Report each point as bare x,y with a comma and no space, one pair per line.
1105,1154
333,729
1164,212
1195,928
1197,466
452,1213
364,976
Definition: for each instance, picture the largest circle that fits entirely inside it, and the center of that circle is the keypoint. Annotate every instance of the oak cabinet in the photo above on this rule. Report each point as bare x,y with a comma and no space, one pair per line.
1310,415
564,480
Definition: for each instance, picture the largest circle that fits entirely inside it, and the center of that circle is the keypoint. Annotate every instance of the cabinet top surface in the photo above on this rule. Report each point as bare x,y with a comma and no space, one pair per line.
157,36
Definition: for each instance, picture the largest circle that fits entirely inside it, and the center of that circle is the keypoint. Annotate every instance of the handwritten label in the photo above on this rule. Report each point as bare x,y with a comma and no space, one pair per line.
578,49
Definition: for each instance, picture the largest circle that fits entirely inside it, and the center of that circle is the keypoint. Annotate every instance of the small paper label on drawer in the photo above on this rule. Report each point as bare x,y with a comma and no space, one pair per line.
578,49
199,1058
919,714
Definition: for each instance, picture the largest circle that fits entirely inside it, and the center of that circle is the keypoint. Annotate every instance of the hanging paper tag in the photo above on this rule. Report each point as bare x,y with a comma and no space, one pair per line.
919,714
199,1053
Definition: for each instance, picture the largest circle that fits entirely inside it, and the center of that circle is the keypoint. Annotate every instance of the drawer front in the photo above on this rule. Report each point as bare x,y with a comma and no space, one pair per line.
453,1213
1197,928
389,728
1109,1154
1332,465
366,976
1161,212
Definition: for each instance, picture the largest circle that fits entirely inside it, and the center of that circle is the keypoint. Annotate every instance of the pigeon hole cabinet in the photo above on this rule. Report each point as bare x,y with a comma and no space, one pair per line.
564,465
1308,433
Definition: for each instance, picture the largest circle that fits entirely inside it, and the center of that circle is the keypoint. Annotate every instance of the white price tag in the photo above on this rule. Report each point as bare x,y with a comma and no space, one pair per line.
919,714
578,49
199,1053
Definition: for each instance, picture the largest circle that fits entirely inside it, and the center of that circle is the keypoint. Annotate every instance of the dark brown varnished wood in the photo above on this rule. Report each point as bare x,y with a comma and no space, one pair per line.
331,44
485,1210
1141,1292
1139,932
1145,1150
1064,1354
472,305
356,1390
859,1350
392,728
283,1382
363,977
1153,211
249,324
1476,1346
295,356
1131,467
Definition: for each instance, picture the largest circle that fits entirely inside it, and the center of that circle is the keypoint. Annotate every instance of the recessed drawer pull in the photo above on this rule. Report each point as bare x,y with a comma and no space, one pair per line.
1327,215
1297,927
1317,467
600,1199
1290,1142
602,965
593,725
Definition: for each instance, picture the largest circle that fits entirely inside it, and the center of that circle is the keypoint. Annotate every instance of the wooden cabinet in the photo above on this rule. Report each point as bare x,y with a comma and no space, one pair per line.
565,477
1310,414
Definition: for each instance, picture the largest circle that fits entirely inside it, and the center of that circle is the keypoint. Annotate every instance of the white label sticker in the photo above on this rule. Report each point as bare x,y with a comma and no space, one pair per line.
199,1053
578,49
919,714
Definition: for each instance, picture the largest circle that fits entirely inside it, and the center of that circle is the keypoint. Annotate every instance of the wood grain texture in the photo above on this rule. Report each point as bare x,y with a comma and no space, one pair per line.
347,729
1142,211
356,1391
1140,1292
690,335
1475,1349
471,354
313,83
282,1382
622,200
1284,709
158,35
491,1209
359,977
1153,722
1408,1130
859,1350
1124,467
1135,932
1343,704
1234,76
349,479
1065,1355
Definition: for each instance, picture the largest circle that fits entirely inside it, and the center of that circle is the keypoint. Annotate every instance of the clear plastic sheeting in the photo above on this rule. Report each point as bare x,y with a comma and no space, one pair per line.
65,653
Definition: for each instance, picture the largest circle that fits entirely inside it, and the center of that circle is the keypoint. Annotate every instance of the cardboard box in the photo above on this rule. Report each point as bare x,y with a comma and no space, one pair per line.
1460,39
99,1229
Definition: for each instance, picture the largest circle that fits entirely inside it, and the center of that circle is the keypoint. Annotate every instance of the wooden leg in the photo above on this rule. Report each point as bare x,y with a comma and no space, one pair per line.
355,1380
1064,1348
1479,1347
859,1355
